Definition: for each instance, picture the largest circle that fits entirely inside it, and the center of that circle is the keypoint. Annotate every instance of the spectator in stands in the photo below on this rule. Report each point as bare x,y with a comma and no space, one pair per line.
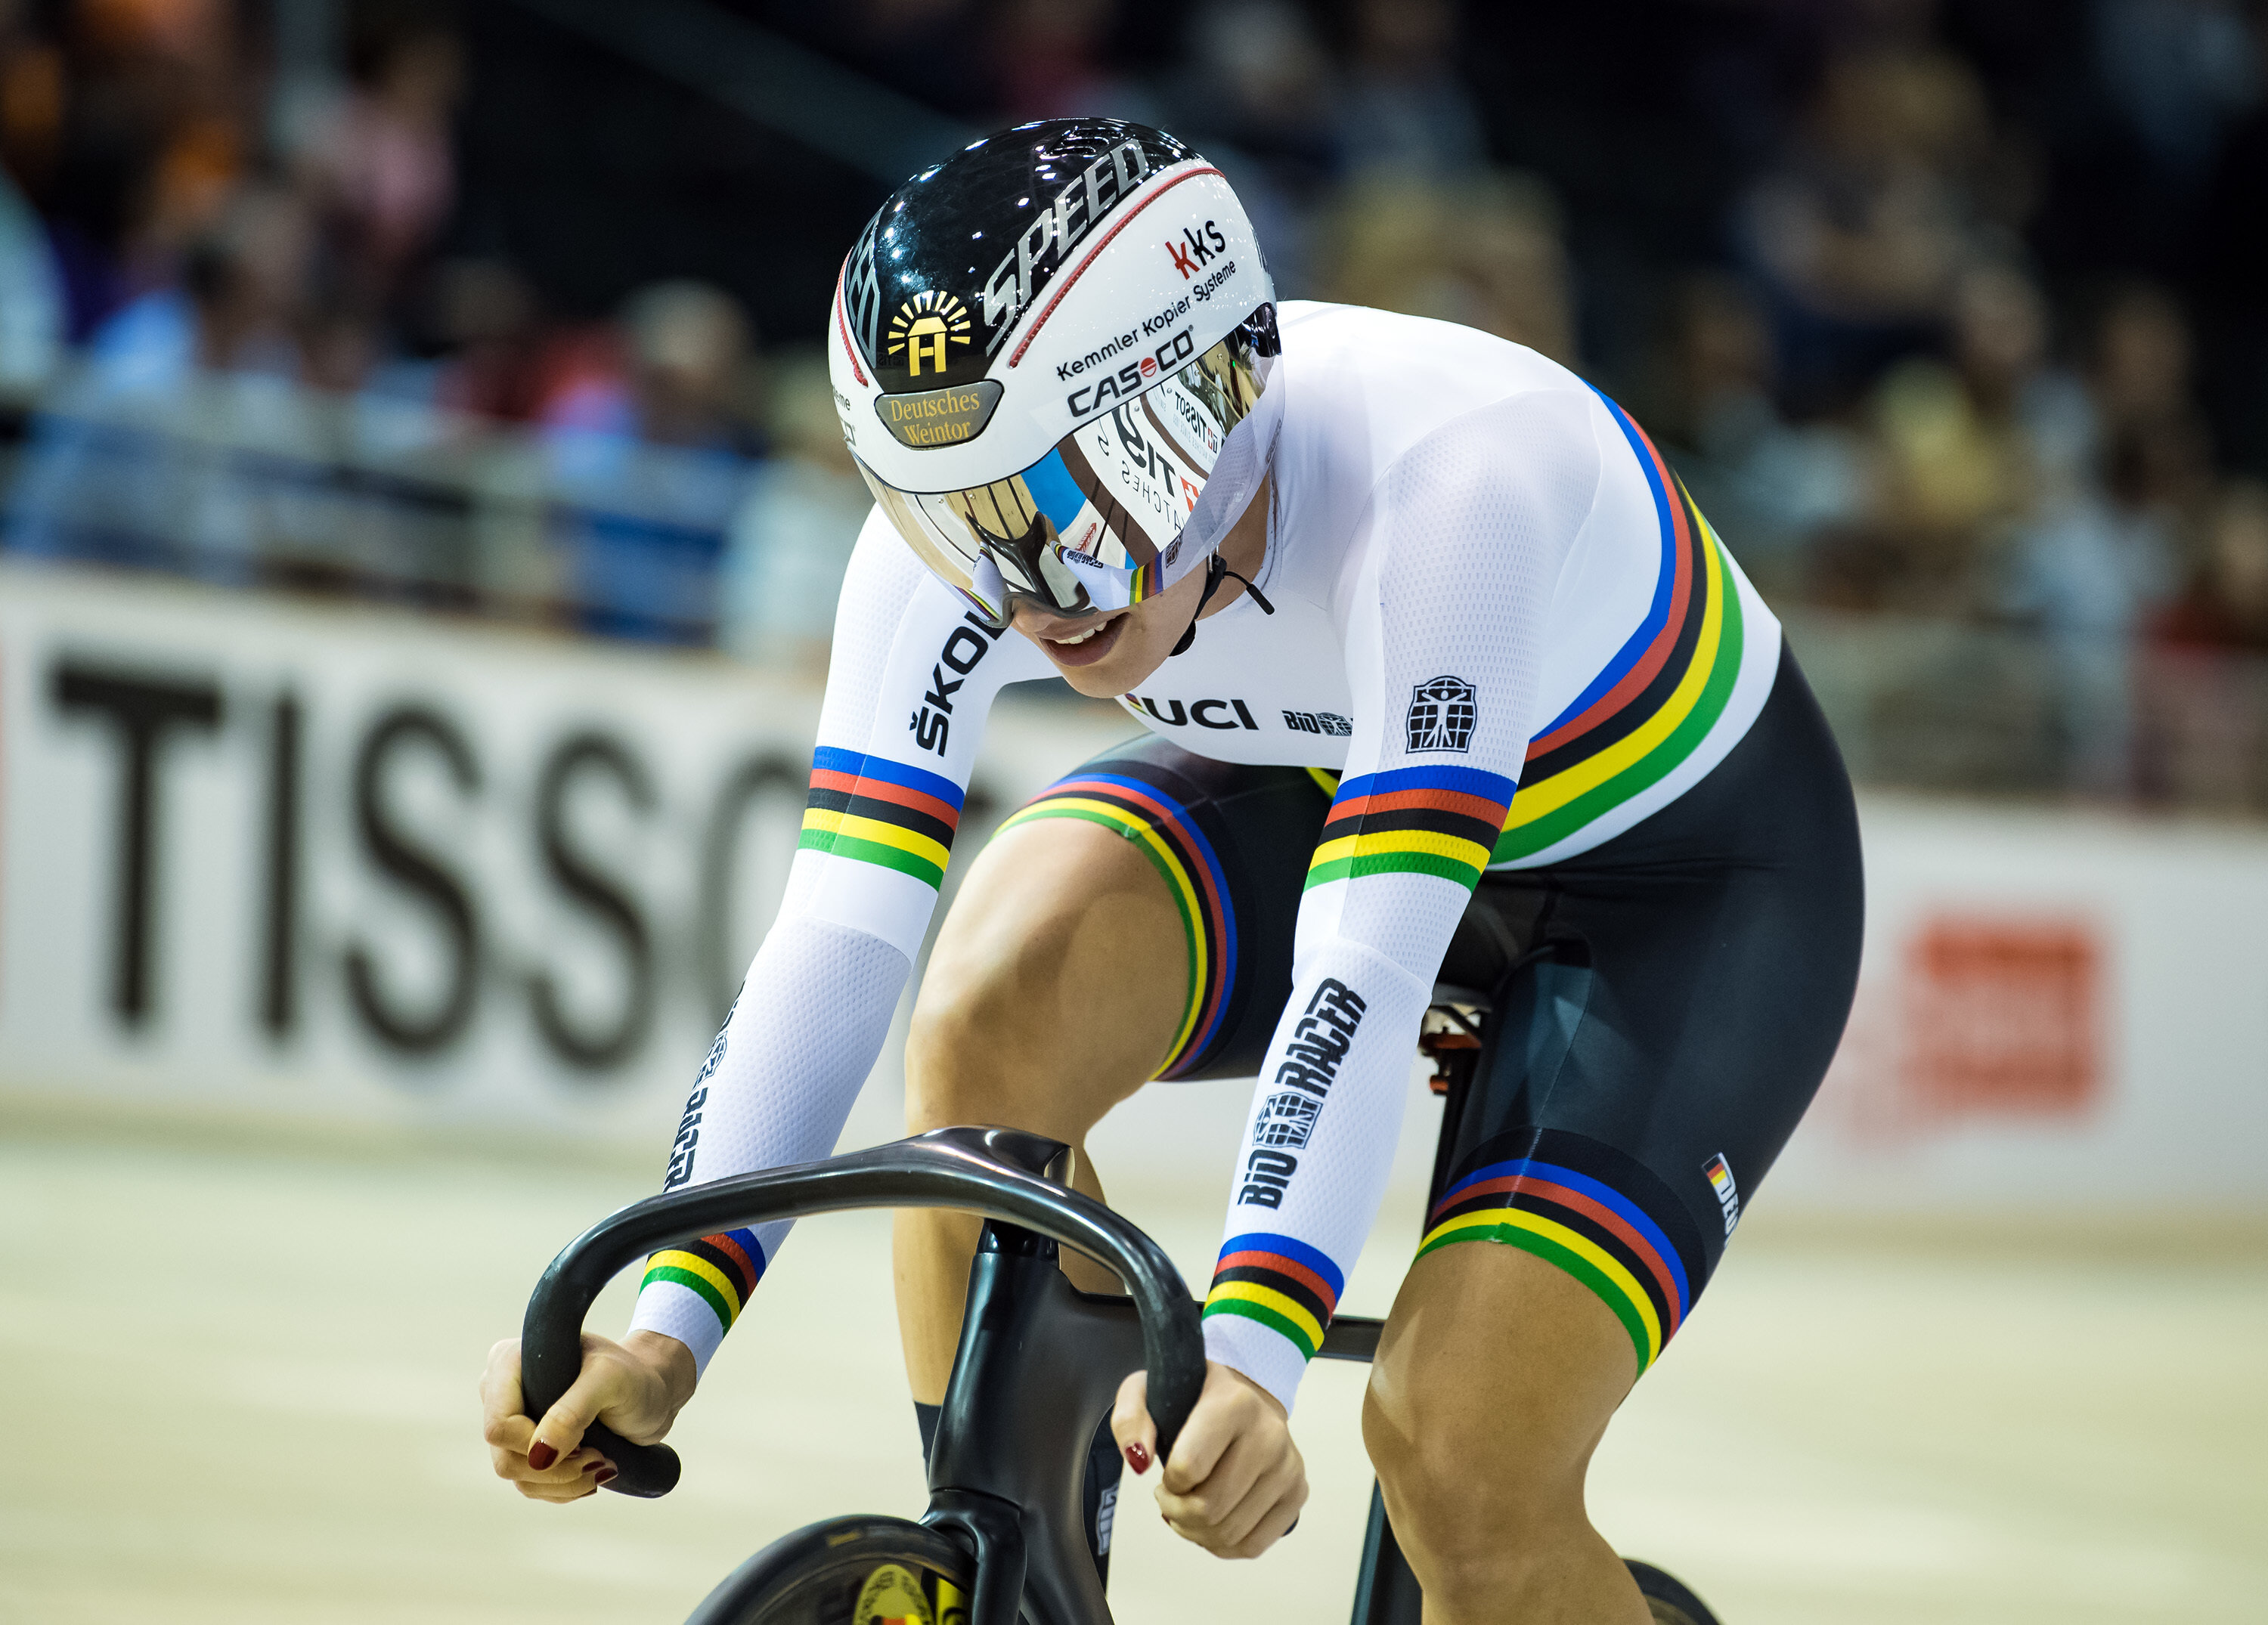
1404,109
2092,571
2178,72
1485,252
130,461
792,540
1051,59
2142,379
380,171
2206,693
485,316
1860,236
2225,606
33,312
649,466
1780,494
1993,441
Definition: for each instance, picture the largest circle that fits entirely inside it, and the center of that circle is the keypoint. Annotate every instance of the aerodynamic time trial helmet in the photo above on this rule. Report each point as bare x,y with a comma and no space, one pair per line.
1046,351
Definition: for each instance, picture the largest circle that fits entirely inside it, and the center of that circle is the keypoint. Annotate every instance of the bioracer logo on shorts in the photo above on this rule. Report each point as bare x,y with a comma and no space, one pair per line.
1729,1194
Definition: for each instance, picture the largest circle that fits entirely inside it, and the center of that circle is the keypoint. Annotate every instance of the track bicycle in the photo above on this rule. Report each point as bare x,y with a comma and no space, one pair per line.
1039,1363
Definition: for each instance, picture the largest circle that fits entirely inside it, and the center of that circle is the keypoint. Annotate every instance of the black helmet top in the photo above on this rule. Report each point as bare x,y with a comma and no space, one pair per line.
957,252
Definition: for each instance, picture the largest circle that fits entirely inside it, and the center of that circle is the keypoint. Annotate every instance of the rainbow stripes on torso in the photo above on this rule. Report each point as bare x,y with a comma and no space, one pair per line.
1661,696
1656,700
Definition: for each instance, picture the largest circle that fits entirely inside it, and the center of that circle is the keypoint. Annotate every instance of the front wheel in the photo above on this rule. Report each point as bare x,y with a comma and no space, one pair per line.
1667,1597
848,1571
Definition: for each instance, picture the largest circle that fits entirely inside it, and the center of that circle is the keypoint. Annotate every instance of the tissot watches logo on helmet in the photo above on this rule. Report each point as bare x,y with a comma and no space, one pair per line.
922,329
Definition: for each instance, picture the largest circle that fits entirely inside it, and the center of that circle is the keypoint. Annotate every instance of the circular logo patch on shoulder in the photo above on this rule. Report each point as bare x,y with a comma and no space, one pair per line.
891,1596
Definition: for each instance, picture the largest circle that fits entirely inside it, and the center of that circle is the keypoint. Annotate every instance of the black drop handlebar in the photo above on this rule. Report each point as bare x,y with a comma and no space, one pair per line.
994,1171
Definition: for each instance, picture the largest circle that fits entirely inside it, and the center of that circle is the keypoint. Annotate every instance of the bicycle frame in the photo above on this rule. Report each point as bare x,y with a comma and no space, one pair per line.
1039,1361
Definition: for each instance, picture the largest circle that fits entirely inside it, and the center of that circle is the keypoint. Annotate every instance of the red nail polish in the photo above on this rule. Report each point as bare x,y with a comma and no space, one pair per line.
540,1455
1137,1457
594,1464
605,1477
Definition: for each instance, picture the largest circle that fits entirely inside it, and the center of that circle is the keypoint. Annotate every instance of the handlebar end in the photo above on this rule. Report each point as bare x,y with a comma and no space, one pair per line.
646,1471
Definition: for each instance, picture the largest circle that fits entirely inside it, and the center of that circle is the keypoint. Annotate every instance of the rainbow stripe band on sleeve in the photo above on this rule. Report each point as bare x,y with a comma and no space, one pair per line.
880,811
1437,821
1280,1282
1169,837
1656,700
1543,1204
721,1270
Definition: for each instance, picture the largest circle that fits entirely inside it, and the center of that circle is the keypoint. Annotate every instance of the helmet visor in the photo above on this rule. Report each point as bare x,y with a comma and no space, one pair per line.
1093,526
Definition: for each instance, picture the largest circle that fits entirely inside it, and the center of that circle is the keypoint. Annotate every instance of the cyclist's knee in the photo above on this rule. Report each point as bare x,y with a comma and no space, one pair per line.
1012,1023
1475,1521
962,1050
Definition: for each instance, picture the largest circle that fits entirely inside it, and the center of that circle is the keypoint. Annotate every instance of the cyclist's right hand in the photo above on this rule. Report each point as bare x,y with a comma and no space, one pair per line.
636,1387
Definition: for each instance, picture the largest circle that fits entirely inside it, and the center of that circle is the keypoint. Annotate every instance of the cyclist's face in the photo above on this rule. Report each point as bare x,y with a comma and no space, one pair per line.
1115,654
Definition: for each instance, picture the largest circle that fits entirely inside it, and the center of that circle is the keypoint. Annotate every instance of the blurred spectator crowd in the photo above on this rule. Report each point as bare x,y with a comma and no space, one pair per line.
1946,311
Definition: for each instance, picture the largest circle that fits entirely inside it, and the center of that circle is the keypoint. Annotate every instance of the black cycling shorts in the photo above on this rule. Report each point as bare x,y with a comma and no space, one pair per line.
1664,1004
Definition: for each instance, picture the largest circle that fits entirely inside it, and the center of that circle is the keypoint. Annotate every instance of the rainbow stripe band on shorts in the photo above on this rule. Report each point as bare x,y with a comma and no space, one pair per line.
721,1270
881,812
1169,837
1566,1199
1435,819
1280,1282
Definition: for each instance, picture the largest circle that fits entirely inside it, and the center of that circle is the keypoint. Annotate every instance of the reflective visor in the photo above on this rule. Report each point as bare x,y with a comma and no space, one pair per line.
1093,526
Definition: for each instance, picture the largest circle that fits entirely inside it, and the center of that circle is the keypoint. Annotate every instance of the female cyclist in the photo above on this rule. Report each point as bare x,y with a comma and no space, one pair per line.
1361,576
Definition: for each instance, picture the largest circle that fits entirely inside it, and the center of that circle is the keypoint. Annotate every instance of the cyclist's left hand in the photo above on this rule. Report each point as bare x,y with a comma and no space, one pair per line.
1235,1481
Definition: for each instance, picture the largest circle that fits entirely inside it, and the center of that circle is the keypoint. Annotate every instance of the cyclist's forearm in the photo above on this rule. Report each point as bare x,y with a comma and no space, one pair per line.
776,1088
1317,1150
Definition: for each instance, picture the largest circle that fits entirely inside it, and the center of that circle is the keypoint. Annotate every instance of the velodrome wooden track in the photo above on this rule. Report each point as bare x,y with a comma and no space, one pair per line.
239,1366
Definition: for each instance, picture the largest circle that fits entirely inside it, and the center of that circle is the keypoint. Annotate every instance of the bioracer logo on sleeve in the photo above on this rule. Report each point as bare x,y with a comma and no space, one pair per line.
1311,1064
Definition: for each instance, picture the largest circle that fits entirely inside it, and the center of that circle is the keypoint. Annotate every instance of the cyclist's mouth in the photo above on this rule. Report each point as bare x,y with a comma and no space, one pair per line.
1087,645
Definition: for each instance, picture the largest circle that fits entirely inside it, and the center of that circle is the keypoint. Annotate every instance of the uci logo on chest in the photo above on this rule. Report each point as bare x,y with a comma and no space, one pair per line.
931,722
1204,713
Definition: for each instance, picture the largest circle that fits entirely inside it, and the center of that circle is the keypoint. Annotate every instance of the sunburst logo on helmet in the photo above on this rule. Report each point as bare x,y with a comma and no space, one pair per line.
924,326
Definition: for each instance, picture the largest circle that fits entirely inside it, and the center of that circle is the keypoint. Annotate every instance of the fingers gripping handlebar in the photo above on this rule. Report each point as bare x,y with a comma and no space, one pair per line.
988,1171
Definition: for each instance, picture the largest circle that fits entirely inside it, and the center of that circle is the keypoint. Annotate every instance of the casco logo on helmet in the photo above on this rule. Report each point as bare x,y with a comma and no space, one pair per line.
1131,379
